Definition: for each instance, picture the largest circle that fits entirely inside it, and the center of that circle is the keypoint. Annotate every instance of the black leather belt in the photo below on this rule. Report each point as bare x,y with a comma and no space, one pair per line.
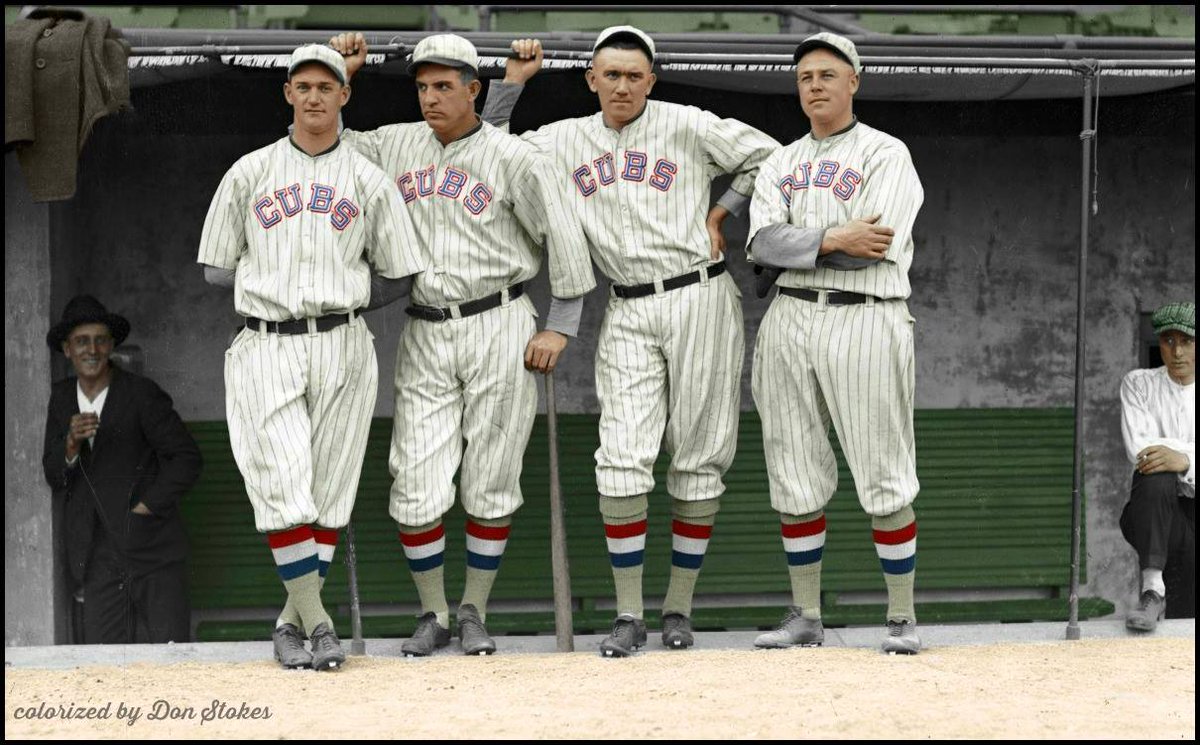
300,325
674,283
833,297
473,307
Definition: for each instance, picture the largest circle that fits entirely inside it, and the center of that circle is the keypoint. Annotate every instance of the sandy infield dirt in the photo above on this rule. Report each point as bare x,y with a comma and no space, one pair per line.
1133,688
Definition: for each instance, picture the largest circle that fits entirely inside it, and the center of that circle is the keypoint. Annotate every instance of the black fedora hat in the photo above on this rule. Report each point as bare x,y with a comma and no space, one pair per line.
83,309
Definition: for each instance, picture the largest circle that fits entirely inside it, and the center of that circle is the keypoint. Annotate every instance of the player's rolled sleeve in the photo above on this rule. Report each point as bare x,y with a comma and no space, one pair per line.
223,239
539,208
501,99
393,248
769,205
893,191
737,148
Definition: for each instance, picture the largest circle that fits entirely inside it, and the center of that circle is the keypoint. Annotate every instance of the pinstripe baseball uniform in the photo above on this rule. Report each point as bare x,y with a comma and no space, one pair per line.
484,207
849,365
671,360
300,230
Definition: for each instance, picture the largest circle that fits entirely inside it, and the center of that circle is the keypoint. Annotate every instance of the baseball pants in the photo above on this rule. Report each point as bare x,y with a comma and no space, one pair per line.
299,408
673,362
456,380
849,365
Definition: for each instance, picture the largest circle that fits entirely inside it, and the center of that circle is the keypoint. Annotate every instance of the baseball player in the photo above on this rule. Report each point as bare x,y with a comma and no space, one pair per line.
484,204
670,351
835,209
297,228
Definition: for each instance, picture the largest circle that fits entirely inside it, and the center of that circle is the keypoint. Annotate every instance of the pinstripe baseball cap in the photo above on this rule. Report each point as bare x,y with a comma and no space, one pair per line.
449,50
625,33
1175,317
319,53
839,45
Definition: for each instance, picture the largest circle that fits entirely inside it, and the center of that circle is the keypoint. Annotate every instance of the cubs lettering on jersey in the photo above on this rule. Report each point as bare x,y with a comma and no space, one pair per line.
825,183
642,194
302,233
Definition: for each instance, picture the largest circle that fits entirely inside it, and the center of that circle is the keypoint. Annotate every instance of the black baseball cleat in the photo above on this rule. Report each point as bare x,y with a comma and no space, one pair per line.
327,651
677,631
628,634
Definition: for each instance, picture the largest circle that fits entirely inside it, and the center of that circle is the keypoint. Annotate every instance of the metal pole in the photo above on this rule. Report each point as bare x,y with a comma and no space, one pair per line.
563,619
1089,68
357,645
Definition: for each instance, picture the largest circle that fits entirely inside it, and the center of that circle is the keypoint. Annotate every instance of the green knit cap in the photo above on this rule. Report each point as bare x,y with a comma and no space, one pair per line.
1175,317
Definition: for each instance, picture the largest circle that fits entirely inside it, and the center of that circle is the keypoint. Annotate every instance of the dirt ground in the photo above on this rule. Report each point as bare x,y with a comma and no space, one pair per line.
1090,689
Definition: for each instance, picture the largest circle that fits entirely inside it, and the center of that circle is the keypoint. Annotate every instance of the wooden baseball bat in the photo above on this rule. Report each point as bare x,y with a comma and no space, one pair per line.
563,620
357,645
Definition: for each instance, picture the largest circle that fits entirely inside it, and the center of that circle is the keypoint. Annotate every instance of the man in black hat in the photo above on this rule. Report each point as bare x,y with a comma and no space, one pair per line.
122,480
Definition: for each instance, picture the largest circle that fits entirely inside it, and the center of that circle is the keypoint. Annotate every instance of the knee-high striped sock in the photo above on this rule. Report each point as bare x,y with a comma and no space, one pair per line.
295,553
625,531
425,549
690,530
326,539
896,544
486,540
804,544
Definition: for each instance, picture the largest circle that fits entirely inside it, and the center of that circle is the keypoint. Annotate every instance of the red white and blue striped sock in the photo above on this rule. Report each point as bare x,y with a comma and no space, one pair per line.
896,544
486,541
425,550
326,540
295,553
691,529
804,545
626,552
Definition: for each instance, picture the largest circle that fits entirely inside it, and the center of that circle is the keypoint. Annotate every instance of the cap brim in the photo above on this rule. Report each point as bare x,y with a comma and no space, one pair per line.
808,46
443,61
1190,331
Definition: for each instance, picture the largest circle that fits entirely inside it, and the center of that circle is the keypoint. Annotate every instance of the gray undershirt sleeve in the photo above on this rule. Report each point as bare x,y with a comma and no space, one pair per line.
501,99
564,315
787,246
385,291
791,247
734,201
218,277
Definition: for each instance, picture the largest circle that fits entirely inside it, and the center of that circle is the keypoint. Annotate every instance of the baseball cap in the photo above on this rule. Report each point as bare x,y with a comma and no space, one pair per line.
319,53
625,33
450,50
839,45
1175,317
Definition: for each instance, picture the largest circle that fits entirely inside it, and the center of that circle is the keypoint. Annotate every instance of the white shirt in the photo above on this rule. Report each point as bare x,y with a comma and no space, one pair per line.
1155,410
87,406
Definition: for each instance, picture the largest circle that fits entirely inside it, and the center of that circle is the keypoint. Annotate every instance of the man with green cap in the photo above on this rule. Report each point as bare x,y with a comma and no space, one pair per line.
1158,422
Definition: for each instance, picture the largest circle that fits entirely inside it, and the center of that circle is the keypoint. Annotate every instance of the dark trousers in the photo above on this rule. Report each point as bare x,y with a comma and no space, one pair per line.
121,607
1161,526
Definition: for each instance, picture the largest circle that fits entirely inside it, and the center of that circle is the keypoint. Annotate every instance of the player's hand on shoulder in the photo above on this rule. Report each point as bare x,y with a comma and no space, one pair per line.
526,62
542,351
352,46
861,237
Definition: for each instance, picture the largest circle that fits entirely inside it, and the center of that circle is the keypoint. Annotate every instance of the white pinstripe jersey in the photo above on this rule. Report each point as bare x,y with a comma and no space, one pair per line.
300,229
484,204
825,183
642,194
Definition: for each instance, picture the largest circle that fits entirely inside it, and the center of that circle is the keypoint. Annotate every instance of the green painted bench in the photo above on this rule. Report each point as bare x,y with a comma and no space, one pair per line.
993,517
